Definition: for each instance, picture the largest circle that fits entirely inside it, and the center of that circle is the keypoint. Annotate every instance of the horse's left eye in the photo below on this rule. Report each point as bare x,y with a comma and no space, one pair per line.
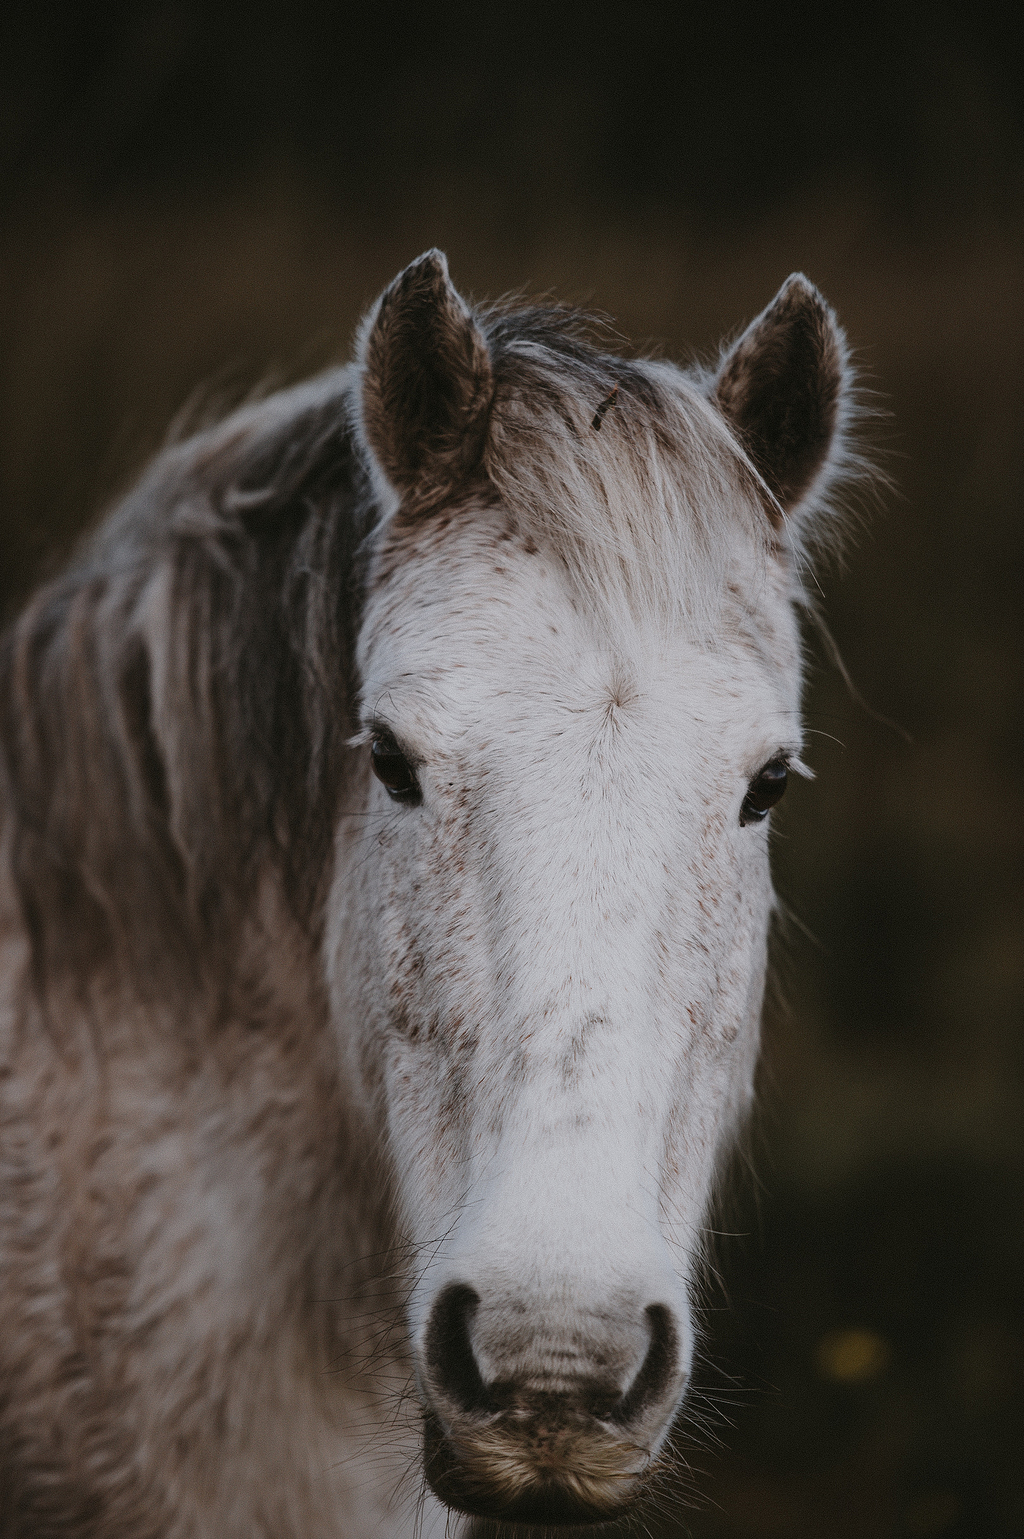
394,771
764,791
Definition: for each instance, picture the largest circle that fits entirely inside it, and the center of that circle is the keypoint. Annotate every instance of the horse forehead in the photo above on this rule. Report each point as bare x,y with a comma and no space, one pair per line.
567,691
490,622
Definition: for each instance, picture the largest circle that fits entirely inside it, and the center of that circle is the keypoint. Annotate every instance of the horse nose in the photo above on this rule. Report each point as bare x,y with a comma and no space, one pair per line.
560,1434
582,1376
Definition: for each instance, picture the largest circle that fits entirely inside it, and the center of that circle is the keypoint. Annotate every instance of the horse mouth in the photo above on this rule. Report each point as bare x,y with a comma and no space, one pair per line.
537,1466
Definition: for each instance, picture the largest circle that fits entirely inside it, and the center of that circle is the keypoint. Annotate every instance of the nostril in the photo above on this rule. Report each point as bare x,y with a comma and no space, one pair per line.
657,1370
450,1360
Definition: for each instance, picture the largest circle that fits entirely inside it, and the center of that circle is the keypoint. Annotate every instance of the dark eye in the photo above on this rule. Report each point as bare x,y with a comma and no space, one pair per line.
393,770
765,790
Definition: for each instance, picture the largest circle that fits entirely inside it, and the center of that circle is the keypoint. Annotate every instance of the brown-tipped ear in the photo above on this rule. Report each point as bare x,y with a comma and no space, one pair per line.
782,387
427,383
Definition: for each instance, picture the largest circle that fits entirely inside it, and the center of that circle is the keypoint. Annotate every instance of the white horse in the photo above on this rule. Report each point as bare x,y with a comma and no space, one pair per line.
384,899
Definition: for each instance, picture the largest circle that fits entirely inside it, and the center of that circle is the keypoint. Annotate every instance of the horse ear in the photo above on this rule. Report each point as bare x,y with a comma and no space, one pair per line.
426,380
784,386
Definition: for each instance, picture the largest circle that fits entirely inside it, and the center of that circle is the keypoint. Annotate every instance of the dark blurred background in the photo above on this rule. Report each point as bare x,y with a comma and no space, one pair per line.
209,194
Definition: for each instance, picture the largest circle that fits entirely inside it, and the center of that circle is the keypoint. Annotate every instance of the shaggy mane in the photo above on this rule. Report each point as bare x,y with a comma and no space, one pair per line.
171,708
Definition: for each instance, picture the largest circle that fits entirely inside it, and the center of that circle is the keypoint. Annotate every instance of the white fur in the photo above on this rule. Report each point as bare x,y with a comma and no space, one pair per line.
590,916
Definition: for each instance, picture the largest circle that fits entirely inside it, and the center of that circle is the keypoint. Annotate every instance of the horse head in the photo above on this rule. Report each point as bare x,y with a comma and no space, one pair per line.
579,673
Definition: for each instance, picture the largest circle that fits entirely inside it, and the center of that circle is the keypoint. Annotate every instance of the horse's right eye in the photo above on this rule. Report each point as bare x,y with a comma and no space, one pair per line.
394,771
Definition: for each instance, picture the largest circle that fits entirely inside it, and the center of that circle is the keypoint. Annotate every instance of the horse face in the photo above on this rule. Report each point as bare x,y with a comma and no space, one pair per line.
549,937
562,981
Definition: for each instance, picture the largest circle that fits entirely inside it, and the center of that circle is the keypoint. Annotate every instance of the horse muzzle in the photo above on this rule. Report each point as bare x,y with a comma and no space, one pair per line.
558,1440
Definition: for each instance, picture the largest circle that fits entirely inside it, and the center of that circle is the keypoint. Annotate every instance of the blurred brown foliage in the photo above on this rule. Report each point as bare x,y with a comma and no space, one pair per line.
206,198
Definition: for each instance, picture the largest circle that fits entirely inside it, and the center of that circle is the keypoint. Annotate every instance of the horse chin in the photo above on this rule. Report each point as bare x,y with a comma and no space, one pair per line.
533,1468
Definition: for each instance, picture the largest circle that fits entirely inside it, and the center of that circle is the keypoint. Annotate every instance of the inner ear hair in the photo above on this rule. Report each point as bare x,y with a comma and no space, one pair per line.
782,386
426,380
